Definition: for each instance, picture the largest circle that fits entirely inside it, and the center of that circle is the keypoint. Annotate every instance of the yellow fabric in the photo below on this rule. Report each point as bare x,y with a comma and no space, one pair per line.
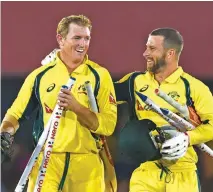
174,86
109,170
148,179
85,173
71,135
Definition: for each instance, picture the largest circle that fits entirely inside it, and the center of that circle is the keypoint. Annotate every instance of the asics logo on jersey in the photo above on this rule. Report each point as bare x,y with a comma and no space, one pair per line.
144,88
51,87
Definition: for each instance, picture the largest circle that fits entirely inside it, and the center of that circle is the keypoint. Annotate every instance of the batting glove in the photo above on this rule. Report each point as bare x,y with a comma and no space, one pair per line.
176,147
6,145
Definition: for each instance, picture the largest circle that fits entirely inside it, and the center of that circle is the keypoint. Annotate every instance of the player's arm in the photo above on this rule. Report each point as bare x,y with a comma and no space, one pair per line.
20,109
8,127
85,116
122,89
106,101
9,124
102,122
203,102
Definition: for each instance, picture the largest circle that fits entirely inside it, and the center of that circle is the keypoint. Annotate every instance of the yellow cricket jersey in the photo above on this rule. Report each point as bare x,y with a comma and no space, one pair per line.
177,85
41,89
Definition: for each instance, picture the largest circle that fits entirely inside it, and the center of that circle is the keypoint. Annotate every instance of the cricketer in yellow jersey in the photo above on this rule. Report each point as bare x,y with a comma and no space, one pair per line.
176,170
74,146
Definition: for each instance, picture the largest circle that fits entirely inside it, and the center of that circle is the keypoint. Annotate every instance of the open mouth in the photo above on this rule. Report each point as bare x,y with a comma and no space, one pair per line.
149,61
80,50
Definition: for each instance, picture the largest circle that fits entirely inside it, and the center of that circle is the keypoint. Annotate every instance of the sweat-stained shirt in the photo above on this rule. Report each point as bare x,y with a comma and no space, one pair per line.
41,89
175,87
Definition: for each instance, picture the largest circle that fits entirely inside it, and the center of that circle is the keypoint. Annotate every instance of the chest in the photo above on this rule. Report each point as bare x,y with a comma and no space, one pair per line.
176,91
50,85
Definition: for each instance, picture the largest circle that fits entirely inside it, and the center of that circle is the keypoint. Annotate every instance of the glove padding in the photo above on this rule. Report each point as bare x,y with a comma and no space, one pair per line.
6,145
50,57
176,147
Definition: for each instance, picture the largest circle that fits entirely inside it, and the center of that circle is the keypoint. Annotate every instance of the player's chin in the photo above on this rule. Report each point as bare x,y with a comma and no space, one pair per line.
150,63
77,59
79,55
149,68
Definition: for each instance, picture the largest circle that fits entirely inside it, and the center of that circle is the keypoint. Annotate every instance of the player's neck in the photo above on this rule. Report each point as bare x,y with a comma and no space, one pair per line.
165,72
70,63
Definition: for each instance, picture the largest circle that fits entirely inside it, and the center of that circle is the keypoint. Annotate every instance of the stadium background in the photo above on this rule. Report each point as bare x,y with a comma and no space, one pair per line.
119,34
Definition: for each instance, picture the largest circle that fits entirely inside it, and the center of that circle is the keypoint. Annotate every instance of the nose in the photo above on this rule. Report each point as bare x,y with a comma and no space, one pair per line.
146,53
82,42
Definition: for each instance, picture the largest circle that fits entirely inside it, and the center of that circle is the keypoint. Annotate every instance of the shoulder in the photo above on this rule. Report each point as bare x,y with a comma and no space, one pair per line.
101,71
97,66
194,82
39,70
130,76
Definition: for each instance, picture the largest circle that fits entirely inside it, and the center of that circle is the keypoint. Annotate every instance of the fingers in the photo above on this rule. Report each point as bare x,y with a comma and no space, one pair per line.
6,144
175,147
63,101
171,158
65,91
65,105
174,156
64,98
67,100
173,142
174,150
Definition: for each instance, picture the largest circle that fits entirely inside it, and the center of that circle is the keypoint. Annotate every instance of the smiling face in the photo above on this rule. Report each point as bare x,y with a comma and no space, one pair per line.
155,54
76,43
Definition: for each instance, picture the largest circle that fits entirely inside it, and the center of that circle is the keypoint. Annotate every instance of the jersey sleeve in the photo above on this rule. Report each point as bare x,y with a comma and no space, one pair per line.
26,101
107,116
203,103
122,89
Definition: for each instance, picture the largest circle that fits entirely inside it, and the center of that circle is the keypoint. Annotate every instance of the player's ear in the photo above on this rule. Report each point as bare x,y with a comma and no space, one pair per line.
170,53
60,40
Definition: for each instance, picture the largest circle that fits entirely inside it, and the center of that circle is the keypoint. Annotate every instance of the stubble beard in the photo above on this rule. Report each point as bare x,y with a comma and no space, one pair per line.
156,68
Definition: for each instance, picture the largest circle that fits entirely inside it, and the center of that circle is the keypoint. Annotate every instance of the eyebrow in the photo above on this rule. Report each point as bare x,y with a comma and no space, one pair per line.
81,36
152,46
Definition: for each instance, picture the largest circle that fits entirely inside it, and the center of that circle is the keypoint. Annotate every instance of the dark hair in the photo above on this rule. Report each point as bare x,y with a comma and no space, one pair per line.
172,38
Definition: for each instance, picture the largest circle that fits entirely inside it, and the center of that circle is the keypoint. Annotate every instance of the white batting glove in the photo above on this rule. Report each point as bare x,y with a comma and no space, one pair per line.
176,147
50,57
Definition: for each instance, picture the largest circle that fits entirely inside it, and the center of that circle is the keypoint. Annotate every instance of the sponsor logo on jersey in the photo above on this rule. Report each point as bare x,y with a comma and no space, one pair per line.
47,108
139,106
51,87
144,88
112,99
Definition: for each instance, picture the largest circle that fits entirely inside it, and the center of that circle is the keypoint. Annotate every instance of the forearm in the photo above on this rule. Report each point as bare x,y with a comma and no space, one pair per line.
201,134
9,124
107,123
87,118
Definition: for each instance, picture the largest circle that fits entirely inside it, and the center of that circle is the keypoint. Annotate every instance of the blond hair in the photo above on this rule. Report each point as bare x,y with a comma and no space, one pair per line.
63,25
